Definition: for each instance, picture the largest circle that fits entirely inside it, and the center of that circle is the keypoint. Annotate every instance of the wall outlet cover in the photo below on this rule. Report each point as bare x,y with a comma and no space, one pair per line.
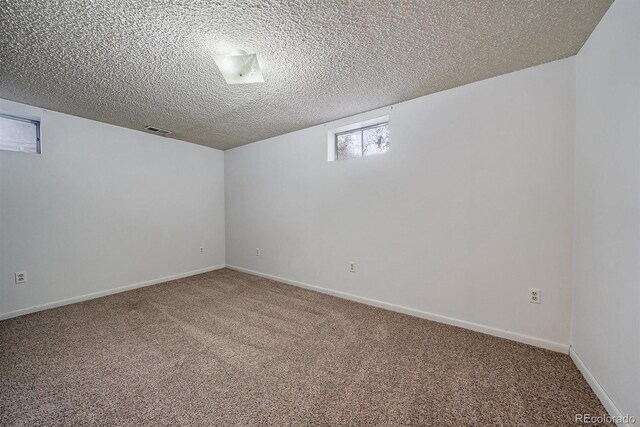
534,295
21,277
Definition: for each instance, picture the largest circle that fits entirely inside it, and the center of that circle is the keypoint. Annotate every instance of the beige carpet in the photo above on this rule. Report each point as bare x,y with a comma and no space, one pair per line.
226,348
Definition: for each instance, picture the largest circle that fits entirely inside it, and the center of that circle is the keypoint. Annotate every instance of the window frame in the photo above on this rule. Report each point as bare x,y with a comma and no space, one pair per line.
358,129
25,120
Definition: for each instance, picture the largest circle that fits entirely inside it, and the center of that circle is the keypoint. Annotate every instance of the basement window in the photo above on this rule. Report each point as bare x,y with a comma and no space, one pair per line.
19,134
359,139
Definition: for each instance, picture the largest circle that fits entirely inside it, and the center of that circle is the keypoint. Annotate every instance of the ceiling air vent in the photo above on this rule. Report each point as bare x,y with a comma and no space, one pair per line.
158,131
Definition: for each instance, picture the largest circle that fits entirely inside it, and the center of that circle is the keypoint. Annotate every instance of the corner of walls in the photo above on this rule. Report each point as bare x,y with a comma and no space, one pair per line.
475,207
597,388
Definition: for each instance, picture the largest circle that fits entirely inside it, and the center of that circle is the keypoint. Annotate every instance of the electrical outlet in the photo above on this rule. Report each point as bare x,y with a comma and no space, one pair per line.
21,277
201,249
352,267
534,295
257,251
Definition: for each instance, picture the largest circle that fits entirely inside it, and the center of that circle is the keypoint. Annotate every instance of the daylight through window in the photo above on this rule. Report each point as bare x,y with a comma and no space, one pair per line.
18,134
362,142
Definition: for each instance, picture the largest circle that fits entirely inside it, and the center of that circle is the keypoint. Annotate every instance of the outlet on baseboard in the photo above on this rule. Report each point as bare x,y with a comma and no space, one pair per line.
257,251
352,267
201,249
21,277
534,295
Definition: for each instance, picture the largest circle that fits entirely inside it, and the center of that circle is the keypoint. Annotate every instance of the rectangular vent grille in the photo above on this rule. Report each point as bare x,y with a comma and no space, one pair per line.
158,131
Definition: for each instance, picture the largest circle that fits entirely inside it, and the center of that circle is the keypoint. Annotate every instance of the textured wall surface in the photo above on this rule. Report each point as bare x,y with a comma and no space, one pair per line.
138,63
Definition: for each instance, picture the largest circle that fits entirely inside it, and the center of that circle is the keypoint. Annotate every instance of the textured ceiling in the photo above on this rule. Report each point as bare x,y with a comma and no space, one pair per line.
149,62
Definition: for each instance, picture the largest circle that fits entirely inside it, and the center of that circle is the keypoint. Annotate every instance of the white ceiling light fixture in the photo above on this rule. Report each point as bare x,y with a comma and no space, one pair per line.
239,67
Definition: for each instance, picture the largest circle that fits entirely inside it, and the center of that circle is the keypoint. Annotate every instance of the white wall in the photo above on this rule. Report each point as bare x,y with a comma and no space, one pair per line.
606,306
472,205
104,207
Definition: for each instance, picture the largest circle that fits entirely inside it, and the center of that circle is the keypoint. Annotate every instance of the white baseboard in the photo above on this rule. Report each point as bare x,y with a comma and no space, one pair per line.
99,294
502,333
606,401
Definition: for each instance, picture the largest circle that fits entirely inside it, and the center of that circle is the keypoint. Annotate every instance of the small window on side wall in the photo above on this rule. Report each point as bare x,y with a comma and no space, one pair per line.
19,134
363,141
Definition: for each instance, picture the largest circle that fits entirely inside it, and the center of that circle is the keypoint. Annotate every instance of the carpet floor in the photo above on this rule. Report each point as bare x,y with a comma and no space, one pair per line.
226,348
